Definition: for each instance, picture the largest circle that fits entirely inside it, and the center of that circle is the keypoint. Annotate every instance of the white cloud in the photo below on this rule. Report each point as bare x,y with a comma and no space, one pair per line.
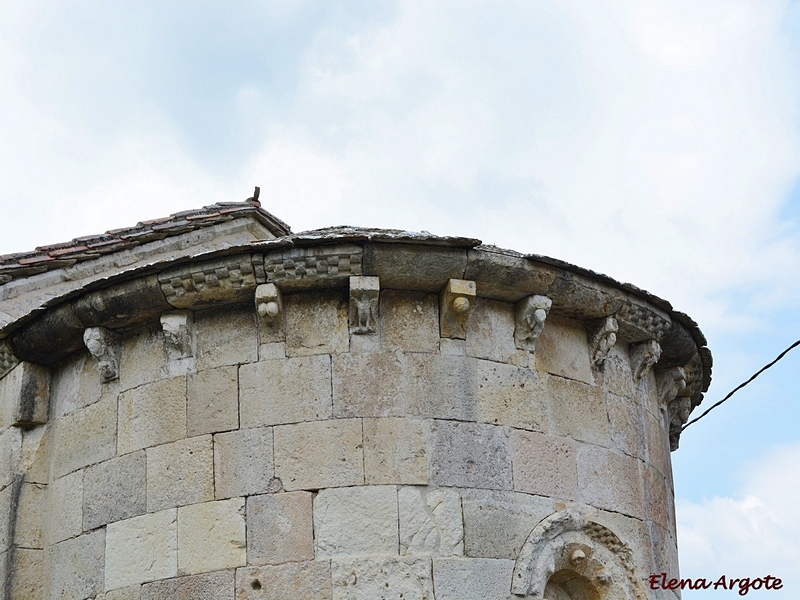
751,535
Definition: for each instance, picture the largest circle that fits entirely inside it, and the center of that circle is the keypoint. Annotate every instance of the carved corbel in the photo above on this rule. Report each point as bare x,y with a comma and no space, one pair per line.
531,314
602,340
669,383
178,327
678,412
364,293
104,345
643,357
269,308
455,304
674,398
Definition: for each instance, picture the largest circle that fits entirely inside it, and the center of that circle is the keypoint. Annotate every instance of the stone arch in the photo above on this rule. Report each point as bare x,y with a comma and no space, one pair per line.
569,557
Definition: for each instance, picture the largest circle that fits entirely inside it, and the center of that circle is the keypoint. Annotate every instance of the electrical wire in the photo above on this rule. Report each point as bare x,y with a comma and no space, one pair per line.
741,385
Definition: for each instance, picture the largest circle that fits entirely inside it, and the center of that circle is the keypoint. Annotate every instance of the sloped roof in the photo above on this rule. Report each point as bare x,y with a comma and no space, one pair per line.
66,254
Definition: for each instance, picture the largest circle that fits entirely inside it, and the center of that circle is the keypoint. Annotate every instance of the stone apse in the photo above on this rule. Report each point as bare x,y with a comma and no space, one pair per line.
208,406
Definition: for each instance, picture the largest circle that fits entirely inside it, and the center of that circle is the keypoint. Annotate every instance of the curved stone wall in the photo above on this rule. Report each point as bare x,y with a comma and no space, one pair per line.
348,422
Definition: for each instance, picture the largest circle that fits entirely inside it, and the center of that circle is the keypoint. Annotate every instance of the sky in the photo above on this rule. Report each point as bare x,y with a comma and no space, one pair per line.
657,142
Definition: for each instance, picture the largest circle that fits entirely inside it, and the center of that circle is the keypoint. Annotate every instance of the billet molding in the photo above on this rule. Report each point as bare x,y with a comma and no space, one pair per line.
105,346
530,316
640,322
316,266
456,301
230,279
363,314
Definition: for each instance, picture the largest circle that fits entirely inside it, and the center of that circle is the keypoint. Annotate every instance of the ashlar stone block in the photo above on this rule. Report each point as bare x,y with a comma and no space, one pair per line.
152,414
544,465
578,410
85,437
317,323
472,578
355,521
65,508
141,549
627,426
77,566
389,577
211,536
369,385
180,473
617,375
320,454
227,335
26,573
115,490
309,580
212,401
292,390
490,331
430,521
25,396
143,358
279,528
243,462
496,524
204,586
133,592
510,395
563,349
10,452
395,451
75,385
609,480
441,387
410,321
30,516
34,458
470,455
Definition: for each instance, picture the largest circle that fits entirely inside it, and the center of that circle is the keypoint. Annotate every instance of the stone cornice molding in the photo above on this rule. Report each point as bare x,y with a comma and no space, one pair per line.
52,324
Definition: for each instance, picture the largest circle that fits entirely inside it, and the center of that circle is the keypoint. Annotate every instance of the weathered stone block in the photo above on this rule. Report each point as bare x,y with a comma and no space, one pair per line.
410,321
453,347
152,414
141,549
490,331
77,565
290,390
180,473
369,385
355,520
205,586
25,396
143,359
656,434
211,536
472,578
25,576
243,462
85,437
226,336
578,410
10,453
75,385
212,401
395,451
617,375
441,387
562,349
65,508
299,581
395,577
7,497
115,490
316,323
660,500
627,426
319,454
469,455
496,524
30,516
610,481
34,459
279,528
544,465
430,521
272,351
509,395
133,592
